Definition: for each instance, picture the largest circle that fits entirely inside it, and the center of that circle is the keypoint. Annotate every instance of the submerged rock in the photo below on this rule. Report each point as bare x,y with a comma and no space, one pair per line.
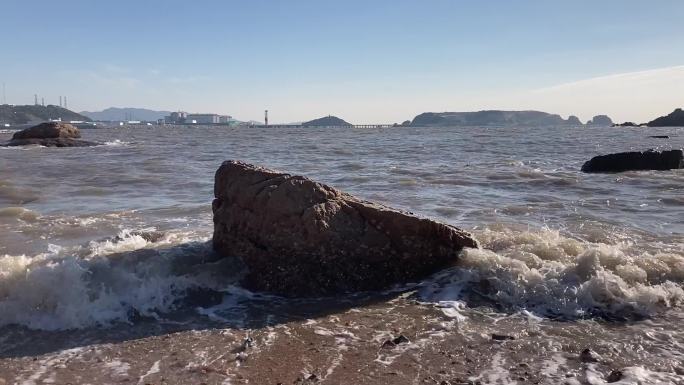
502,337
303,238
50,134
589,356
401,339
626,124
614,376
625,161
390,344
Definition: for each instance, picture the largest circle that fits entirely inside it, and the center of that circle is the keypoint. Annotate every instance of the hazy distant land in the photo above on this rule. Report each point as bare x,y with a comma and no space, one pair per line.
10,114
16,115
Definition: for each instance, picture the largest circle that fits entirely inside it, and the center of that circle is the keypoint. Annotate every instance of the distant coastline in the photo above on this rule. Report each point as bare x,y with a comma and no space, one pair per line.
13,116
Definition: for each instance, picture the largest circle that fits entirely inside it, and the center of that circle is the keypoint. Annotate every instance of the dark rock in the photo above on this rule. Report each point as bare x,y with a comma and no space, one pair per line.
674,119
48,130
647,160
310,379
600,120
149,236
589,356
51,134
626,124
303,238
388,344
401,340
502,337
659,136
56,142
614,376
246,344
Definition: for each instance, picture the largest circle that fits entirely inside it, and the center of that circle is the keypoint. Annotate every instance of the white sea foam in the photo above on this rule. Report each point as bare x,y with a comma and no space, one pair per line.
71,288
116,142
549,274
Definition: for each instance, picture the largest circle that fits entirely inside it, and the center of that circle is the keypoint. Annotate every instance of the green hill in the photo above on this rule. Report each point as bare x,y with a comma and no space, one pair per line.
35,114
327,121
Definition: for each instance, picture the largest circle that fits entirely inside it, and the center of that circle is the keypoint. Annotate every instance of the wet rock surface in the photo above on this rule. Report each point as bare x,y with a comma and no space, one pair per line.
502,337
589,356
52,142
303,238
50,134
626,161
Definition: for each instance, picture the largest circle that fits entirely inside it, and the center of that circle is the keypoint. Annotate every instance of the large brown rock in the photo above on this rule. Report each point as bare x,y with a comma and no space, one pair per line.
50,134
303,238
48,130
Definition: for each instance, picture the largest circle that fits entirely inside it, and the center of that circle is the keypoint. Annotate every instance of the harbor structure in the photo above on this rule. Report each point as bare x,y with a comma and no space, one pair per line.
181,117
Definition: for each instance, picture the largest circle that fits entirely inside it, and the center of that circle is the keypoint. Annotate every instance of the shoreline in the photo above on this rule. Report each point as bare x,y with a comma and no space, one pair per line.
343,348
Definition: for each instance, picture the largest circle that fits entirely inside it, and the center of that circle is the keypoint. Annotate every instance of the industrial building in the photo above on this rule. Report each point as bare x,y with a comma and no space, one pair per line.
185,118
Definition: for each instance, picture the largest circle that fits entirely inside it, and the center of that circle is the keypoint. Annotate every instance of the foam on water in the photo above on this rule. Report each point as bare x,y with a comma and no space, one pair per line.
116,142
552,275
539,272
103,282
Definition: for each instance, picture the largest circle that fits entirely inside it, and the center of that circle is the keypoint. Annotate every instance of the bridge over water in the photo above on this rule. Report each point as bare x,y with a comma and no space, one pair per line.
341,126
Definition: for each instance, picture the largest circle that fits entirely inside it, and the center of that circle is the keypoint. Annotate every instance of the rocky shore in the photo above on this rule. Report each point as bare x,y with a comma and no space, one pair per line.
347,347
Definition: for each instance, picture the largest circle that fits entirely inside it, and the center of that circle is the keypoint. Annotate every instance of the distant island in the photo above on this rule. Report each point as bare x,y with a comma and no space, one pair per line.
327,121
29,114
113,114
492,118
11,114
600,120
674,119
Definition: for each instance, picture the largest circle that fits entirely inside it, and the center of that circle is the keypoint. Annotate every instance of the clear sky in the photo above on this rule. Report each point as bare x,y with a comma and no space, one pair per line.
367,61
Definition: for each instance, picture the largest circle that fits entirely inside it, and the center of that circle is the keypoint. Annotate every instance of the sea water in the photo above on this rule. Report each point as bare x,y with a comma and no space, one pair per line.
91,238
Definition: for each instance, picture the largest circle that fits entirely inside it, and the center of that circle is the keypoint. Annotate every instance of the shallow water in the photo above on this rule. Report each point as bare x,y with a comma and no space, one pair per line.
91,237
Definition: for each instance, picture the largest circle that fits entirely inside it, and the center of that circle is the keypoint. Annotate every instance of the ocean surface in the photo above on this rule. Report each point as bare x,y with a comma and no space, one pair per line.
95,238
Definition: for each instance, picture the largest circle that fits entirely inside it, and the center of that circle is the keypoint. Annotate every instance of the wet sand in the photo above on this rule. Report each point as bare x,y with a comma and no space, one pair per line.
347,347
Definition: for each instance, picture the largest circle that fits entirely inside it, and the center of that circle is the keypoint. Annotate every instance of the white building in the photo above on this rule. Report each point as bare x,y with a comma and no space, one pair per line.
202,119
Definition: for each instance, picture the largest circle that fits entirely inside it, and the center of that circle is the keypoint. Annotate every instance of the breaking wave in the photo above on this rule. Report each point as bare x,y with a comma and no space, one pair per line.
132,274
555,276
147,273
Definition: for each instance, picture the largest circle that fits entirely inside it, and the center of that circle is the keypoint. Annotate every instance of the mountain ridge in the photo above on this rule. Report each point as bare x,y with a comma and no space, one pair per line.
126,113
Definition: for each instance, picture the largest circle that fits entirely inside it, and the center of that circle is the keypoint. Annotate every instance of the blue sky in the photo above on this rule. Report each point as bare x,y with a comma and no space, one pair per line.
366,61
